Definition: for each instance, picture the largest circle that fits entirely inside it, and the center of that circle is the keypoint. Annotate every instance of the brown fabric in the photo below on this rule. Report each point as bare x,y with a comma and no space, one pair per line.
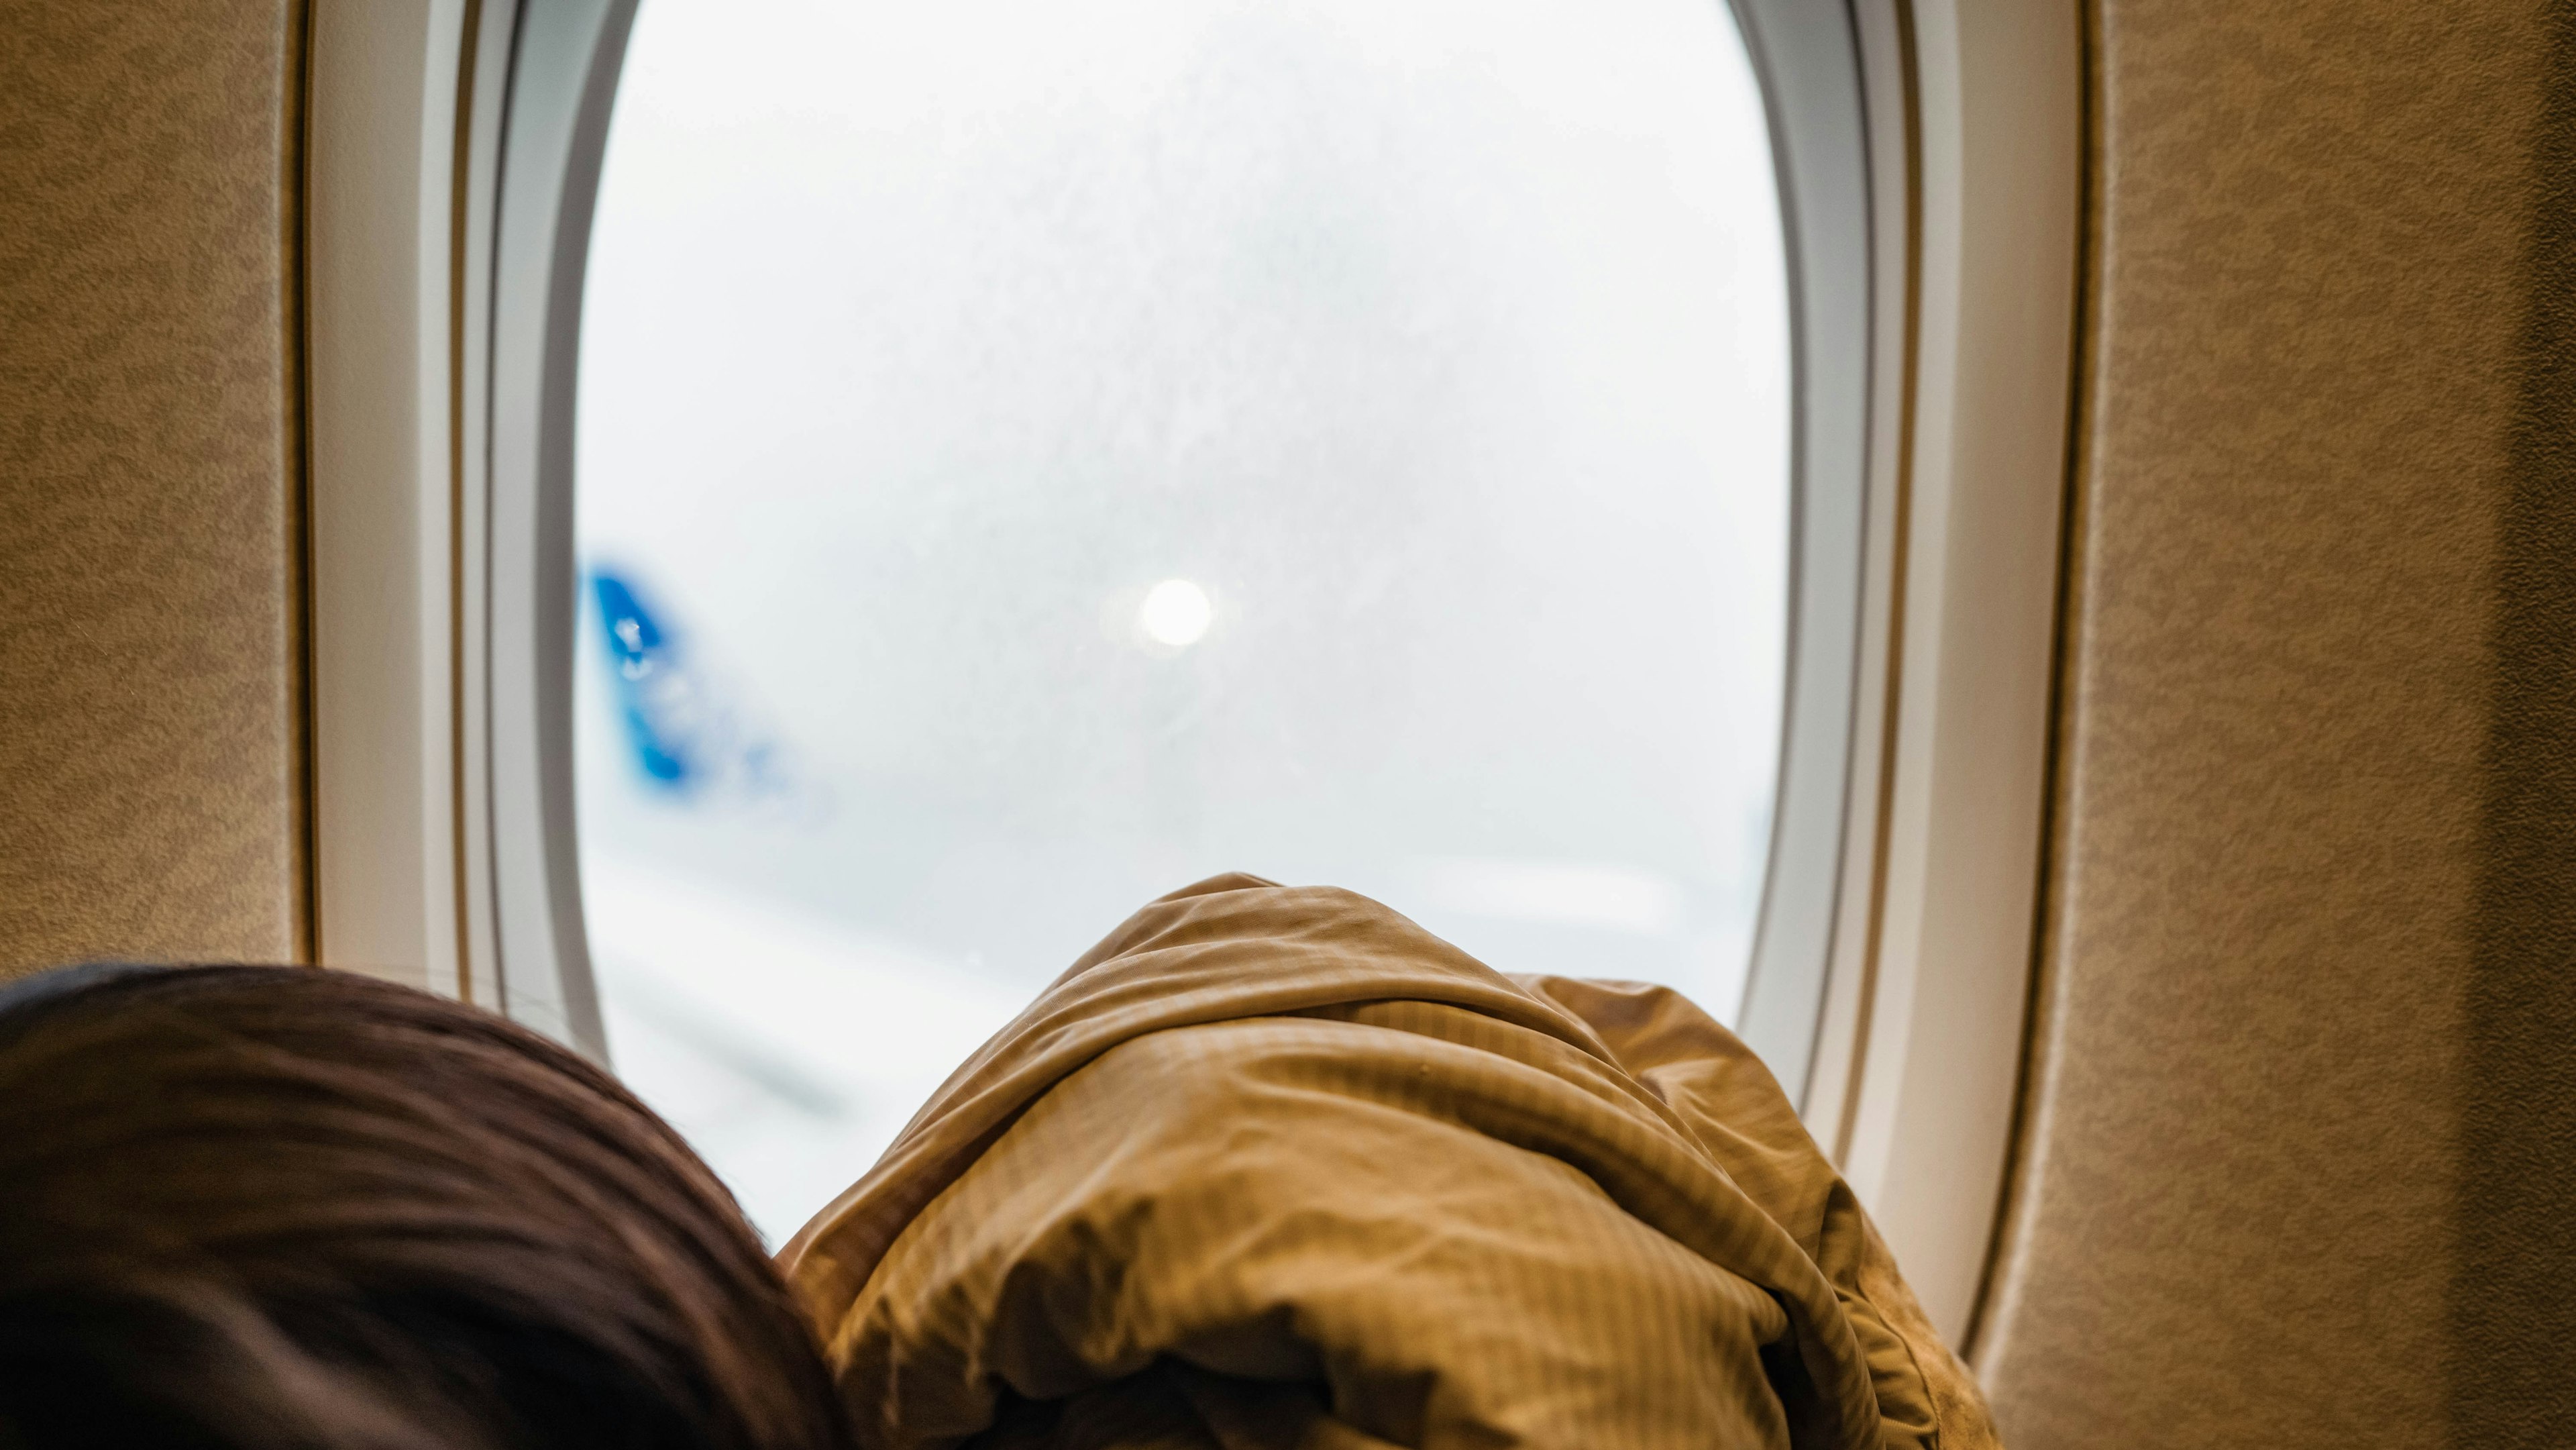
1274,1167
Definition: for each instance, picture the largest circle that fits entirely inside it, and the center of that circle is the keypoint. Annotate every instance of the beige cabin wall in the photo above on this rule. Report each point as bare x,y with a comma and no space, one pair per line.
152,699
2295,1153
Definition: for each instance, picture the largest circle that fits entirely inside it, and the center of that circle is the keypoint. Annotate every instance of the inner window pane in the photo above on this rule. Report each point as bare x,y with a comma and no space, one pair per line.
1038,453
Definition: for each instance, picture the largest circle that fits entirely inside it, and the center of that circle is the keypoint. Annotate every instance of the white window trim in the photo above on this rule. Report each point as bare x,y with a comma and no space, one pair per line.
452,167
1934,197
1920,1044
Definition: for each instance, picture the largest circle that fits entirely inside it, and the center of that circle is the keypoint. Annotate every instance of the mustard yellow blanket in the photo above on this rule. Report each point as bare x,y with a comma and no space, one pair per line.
1273,1167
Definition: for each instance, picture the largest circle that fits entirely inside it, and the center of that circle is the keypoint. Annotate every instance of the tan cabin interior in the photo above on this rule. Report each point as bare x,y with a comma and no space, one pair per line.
2279,1017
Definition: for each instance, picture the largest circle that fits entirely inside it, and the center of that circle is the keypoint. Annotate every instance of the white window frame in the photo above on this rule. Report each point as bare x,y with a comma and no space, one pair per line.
453,163
1930,156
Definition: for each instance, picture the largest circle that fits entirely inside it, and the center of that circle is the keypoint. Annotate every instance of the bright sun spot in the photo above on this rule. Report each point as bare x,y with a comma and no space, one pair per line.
1175,612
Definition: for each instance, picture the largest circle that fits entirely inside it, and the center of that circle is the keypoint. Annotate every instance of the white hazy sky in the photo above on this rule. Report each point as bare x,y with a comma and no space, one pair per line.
1440,346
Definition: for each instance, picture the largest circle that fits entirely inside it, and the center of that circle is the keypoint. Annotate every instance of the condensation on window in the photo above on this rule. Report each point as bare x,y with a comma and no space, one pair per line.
1034,454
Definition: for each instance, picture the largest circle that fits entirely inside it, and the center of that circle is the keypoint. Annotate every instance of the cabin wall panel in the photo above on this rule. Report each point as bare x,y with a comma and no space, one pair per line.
151,587
2251,1124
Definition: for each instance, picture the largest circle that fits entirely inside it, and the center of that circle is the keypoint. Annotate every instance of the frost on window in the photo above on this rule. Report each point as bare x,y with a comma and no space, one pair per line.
1036,455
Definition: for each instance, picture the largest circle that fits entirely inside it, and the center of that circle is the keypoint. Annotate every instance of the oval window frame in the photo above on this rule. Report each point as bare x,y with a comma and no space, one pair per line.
1930,161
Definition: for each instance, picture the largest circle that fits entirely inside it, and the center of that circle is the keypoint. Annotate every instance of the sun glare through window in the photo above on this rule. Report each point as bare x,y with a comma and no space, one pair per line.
1033,456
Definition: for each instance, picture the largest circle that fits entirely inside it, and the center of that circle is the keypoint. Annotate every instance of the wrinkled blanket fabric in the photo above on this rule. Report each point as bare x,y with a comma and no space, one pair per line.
1273,1167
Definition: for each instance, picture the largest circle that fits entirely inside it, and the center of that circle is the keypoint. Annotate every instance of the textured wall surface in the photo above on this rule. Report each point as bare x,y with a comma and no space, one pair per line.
151,695
2296,1162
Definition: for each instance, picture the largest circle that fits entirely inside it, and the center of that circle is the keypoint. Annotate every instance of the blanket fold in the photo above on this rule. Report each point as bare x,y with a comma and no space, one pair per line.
1274,1167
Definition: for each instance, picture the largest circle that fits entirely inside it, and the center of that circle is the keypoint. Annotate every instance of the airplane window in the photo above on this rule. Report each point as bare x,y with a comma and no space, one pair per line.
1034,455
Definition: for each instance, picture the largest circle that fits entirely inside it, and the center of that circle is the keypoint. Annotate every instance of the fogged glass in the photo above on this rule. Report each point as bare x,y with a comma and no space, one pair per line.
1035,454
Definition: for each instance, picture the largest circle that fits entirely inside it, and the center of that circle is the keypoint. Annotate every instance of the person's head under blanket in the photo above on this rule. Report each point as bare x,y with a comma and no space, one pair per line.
1269,1167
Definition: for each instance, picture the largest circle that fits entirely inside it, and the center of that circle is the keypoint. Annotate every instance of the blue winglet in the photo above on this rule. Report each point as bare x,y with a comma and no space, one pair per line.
640,656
